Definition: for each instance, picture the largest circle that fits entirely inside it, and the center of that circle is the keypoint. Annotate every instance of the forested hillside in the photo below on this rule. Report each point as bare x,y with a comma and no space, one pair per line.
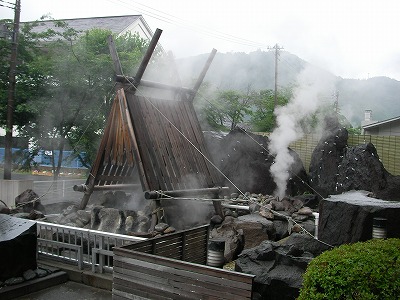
256,70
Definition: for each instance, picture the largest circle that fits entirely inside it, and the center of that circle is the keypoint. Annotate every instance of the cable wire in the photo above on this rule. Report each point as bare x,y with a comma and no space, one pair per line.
250,199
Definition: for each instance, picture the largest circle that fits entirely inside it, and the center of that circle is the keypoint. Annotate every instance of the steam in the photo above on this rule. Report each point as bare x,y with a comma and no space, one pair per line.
311,85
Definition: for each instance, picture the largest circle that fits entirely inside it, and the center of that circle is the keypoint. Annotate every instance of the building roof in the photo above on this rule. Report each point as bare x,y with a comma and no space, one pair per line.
117,24
379,123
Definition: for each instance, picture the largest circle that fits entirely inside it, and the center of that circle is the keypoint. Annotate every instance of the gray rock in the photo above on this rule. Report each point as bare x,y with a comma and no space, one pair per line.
170,229
111,220
216,219
305,211
233,237
29,274
278,268
281,229
348,218
160,227
83,216
14,281
256,229
41,272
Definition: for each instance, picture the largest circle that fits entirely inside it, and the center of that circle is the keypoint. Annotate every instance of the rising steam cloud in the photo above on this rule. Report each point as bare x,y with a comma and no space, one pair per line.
311,84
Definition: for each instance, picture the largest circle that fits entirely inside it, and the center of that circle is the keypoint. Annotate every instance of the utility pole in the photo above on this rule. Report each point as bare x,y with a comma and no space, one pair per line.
276,48
11,92
337,102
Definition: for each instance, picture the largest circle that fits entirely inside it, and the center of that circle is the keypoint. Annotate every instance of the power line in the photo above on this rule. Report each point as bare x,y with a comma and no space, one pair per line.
7,6
171,19
14,4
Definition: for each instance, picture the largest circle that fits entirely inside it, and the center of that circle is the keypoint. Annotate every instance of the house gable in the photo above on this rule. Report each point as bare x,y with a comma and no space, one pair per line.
390,127
116,24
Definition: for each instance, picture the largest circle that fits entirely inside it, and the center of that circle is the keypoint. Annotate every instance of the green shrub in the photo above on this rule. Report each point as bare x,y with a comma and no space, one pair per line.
364,270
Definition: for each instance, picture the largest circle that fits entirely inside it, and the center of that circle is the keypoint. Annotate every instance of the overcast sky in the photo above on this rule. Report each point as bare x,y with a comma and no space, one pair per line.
350,38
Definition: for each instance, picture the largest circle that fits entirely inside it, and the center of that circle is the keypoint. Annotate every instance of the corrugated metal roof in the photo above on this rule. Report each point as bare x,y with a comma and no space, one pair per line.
379,123
116,24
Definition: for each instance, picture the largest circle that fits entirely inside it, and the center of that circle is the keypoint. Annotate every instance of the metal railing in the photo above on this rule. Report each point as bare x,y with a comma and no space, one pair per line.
80,246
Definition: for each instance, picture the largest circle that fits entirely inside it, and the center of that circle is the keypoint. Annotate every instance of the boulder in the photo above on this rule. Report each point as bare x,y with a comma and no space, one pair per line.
336,168
348,218
278,267
242,157
326,157
29,200
256,229
111,220
233,236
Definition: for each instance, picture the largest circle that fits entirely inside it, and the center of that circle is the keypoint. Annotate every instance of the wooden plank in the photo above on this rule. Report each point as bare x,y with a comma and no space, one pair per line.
144,150
164,120
180,278
154,289
121,254
213,178
121,179
127,292
157,136
172,285
179,152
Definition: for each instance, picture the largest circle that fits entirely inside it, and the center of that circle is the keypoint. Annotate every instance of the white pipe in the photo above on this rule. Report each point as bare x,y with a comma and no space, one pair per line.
244,207
316,215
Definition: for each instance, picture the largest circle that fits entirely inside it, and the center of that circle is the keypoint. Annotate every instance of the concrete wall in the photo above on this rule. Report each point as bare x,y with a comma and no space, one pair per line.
9,189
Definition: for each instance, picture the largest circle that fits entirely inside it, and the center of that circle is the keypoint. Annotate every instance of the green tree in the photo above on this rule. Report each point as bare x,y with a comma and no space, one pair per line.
263,118
69,86
30,76
228,109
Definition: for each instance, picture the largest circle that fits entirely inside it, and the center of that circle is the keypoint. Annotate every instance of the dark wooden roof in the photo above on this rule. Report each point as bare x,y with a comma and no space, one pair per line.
170,144
156,136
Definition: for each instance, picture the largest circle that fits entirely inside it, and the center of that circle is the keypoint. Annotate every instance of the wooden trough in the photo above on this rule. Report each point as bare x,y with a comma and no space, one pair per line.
174,267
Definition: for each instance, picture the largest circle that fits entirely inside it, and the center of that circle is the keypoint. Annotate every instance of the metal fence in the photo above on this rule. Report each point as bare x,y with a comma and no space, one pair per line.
80,246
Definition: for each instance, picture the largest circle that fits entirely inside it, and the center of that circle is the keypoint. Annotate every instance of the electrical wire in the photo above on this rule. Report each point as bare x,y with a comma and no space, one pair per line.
250,199
171,19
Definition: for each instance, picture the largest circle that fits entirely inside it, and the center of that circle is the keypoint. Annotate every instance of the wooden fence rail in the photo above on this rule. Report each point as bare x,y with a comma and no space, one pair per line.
173,267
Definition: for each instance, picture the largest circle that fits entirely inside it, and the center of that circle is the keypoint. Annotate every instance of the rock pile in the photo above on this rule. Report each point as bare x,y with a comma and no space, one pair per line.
279,266
267,219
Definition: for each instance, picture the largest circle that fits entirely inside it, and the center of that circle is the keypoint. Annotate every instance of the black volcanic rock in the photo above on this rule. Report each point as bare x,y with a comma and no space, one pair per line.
244,158
326,158
336,168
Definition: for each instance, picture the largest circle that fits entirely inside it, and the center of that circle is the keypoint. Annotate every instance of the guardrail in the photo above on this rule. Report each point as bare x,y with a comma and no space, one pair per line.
80,246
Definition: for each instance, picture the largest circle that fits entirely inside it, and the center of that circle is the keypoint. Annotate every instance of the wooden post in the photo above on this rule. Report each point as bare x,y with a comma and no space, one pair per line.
203,73
114,56
147,56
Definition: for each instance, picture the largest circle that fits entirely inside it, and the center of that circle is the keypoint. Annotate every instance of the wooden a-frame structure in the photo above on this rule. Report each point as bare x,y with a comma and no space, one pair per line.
160,139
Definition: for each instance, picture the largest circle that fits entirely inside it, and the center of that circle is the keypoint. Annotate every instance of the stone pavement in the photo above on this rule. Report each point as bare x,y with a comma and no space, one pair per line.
67,291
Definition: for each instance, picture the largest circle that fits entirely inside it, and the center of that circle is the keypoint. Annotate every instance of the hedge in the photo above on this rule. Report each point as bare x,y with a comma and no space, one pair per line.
363,270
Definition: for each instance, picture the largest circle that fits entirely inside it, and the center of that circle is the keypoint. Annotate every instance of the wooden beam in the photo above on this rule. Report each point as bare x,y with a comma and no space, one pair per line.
147,56
180,193
203,73
114,56
154,84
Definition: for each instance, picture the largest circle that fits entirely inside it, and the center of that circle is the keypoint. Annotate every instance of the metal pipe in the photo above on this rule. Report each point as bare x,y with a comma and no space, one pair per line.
178,193
84,188
243,207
